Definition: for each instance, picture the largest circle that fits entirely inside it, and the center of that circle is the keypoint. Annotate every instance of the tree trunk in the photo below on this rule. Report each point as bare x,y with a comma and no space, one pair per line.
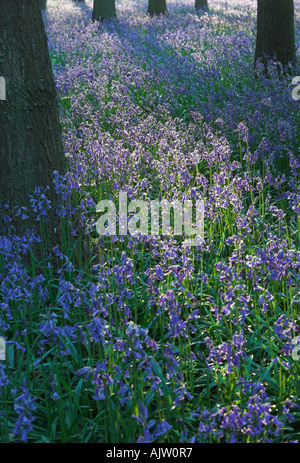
156,7
30,143
43,4
201,4
104,9
275,31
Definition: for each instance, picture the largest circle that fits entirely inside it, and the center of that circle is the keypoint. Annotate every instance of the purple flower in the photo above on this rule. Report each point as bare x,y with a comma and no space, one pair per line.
24,406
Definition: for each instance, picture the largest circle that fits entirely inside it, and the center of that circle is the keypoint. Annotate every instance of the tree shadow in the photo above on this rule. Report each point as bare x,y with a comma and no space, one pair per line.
84,7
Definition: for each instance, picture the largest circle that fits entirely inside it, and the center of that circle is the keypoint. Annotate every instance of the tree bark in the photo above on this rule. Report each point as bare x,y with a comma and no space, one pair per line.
201,4
104,9
156,7
43,4
275,31
30,143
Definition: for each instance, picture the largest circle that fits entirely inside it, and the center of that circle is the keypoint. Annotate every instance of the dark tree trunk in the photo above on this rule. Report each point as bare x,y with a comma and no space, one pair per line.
104,9
201,4
43,4
275,31
156,7
30,143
